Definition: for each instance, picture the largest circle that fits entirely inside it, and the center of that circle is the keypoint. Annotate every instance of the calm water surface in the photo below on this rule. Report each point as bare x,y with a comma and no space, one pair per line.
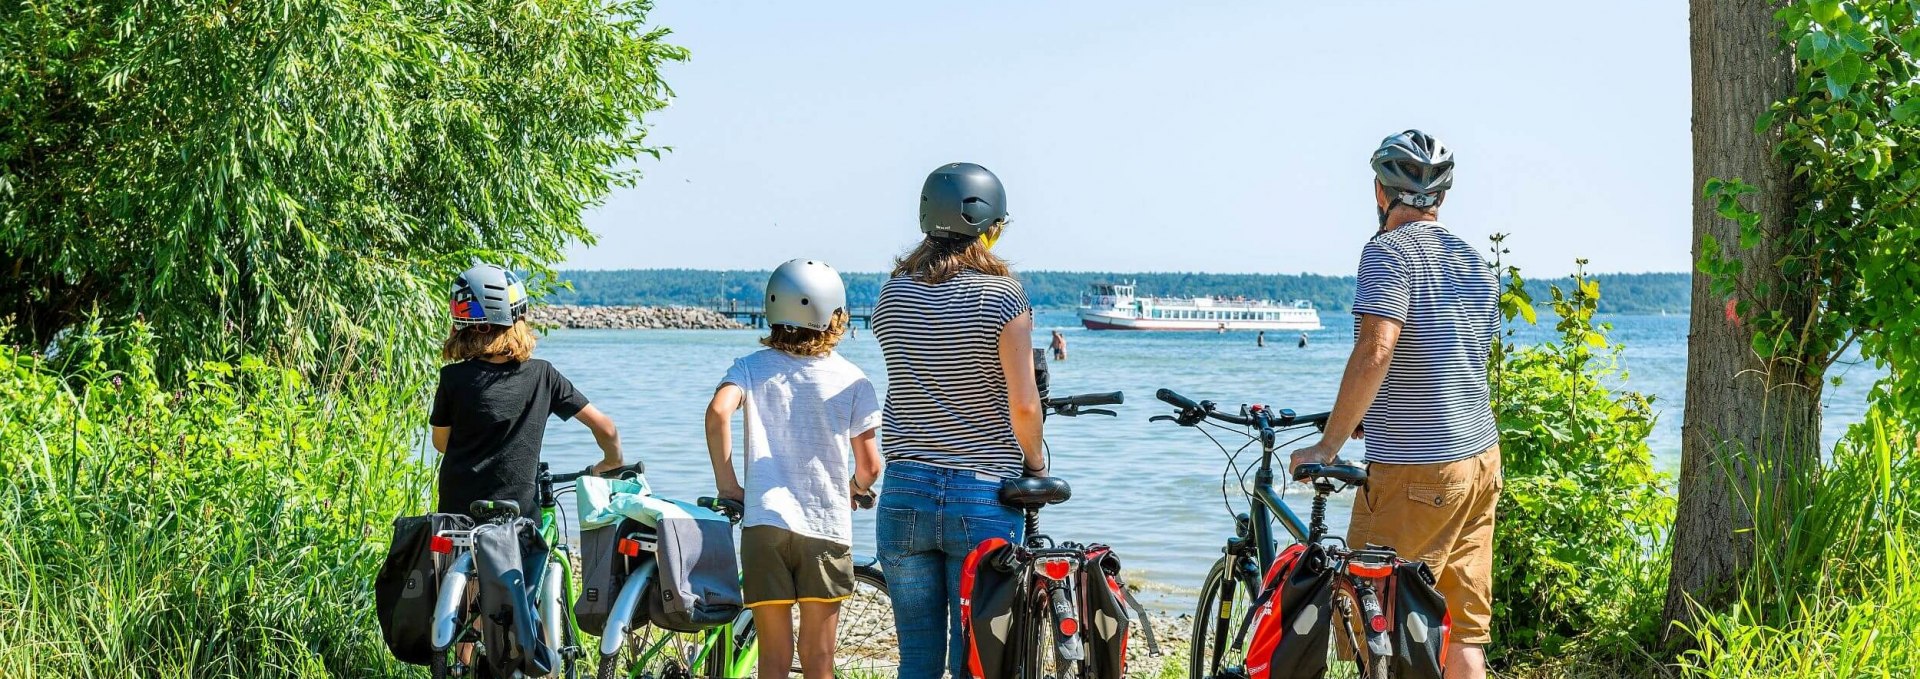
1153,490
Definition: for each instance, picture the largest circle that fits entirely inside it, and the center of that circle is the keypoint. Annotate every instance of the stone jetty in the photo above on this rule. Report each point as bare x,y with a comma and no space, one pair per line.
630,317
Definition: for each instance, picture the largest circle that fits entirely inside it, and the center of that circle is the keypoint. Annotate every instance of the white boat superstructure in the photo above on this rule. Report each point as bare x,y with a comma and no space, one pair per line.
1116,306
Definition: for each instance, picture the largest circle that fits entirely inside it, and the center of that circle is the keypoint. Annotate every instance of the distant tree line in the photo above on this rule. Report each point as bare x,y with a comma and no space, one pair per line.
1624,293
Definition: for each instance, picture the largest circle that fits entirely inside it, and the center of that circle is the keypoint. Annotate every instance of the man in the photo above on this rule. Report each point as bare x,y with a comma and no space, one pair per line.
1426,309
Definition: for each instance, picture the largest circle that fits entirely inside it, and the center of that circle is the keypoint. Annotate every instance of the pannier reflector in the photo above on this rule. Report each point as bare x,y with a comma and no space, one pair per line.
629,547
440,544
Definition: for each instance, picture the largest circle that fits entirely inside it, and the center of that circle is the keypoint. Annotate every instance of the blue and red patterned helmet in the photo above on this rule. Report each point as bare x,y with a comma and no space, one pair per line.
487,294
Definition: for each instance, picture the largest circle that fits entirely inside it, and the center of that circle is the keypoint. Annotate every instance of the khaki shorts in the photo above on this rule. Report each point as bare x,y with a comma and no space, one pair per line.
783,567
1442,514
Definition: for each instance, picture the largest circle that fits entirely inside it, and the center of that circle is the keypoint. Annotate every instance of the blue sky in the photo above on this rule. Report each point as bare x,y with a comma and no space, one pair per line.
1201,136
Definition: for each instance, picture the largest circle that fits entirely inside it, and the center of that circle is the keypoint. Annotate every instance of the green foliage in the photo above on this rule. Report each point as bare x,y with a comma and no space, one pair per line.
279,177
228,526
1633,293
1580,550
1838,592
1848,132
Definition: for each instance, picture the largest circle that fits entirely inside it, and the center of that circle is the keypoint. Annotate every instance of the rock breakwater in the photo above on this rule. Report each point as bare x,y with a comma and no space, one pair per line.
630,318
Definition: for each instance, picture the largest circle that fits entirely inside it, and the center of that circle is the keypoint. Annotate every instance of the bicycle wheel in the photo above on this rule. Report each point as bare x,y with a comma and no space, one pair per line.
653,653
1226,599
1041,659
866,643
438,665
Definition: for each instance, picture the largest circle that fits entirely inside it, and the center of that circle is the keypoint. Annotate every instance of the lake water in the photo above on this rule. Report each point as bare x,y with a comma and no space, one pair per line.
1152,490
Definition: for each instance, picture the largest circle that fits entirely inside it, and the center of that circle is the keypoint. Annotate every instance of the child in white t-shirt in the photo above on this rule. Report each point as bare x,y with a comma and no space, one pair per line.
807,411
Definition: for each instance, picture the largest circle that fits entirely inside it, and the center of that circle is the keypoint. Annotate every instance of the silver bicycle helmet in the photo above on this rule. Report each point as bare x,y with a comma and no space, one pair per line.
1416,167
961,200
804,293
487,294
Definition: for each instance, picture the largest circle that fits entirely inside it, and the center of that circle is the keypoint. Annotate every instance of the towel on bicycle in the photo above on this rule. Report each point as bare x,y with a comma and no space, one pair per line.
1292,620
697,581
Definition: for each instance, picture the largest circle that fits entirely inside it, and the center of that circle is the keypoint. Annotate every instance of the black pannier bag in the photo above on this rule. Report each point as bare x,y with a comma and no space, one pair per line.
697,584
509,560
987,597
603,571
1293,617
408,586
1104,613
1421,624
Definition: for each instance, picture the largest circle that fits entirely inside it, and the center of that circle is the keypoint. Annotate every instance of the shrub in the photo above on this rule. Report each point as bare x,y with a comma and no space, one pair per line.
1579,549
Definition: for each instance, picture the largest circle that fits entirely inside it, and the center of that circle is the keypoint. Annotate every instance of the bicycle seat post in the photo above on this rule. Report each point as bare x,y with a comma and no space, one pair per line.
1317,524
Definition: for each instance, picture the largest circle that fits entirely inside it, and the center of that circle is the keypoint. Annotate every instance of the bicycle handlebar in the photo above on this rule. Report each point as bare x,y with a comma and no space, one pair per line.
1193,411
1110,398
617,472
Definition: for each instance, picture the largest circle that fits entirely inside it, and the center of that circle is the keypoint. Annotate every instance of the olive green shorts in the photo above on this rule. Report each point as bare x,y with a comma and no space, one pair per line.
782,567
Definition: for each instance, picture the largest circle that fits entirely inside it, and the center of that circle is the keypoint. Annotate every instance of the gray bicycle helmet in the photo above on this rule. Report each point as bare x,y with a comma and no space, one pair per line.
804,293
487,294
1417,167
961,200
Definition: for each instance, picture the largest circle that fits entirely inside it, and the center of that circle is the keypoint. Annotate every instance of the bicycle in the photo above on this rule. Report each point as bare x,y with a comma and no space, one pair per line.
455,621
732,650
1046,628
1233,586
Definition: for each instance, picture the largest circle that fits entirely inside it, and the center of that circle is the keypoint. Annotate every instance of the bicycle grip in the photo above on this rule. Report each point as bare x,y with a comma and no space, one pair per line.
1106,399
1176,400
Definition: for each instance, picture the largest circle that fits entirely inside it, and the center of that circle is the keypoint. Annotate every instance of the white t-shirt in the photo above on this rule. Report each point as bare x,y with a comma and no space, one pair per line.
802,414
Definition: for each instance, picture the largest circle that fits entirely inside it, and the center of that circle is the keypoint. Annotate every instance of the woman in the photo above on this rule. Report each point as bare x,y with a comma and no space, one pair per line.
962,410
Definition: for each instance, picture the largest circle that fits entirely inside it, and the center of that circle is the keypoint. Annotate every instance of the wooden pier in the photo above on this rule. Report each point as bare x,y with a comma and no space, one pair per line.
756,317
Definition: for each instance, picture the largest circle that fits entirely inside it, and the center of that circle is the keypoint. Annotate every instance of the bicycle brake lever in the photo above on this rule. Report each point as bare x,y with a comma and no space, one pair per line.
1099,411
1162,418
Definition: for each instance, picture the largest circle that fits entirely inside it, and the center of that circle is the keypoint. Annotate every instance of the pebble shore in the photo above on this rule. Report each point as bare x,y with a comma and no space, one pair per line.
630,318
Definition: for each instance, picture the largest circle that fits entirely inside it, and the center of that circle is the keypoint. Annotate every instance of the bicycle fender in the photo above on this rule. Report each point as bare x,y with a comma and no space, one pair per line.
554,616
453,597
620,617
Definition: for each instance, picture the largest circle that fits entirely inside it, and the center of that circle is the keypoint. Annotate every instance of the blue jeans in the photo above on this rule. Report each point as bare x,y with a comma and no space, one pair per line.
930,518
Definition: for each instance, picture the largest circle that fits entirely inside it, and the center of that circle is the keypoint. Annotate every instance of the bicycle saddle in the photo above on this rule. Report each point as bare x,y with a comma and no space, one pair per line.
1034,492
1346,473
489,510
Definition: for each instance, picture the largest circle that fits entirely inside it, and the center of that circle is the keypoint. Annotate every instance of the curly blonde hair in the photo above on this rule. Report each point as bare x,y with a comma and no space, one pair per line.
514,343
805,341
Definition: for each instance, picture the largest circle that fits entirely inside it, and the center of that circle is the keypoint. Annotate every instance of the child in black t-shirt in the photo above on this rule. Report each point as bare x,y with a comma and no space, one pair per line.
491,407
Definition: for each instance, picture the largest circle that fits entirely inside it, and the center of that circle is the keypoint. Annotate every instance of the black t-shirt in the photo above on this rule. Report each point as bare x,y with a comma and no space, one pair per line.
498,412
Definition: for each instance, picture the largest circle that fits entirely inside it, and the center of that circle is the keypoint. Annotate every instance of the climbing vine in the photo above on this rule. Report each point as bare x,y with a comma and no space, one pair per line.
1850,132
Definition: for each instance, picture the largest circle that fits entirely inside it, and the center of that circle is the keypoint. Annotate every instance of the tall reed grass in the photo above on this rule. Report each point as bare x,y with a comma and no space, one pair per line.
225,528
1833,593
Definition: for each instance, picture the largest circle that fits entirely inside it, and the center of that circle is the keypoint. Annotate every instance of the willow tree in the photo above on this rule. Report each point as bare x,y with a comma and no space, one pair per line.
300,178
1808,237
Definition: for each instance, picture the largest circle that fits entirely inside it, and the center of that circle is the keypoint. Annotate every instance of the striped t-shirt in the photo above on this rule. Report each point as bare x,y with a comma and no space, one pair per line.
946,392
1434,405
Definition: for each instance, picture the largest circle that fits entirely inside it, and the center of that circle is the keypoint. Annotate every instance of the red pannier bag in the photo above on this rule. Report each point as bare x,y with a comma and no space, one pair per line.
986,610
1106,614
1293,617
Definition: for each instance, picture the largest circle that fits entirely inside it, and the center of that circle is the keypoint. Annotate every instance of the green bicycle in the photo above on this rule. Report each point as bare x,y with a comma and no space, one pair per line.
865,640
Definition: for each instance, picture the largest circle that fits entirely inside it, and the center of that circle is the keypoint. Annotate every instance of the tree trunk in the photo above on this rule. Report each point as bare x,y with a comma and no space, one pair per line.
1750,424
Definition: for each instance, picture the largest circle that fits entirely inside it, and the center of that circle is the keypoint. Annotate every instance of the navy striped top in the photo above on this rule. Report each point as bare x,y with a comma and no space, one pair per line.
1435,404
946,392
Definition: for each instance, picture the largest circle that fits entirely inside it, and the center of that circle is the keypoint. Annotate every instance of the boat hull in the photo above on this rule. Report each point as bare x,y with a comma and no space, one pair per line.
1097,321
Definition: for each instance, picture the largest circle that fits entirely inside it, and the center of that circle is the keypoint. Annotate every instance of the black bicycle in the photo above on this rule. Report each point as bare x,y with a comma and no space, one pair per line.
1046,630
1233,586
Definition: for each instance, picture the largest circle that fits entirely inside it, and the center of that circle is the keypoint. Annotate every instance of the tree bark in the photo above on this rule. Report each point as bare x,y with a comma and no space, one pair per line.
1752,426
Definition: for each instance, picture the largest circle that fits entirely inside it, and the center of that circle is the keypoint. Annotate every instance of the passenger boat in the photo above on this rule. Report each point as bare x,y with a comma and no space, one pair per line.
1115,306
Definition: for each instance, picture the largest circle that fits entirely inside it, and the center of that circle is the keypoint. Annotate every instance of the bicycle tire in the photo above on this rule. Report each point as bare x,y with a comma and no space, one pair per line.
1042,658
1209,649
437,665
650,652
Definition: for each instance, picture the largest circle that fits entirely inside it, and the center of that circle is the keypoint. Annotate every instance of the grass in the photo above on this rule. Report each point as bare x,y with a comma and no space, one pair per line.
227,529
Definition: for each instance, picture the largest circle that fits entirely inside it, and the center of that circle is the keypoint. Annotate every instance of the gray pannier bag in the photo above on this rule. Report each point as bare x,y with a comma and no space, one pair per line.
603,570
509,561
698,581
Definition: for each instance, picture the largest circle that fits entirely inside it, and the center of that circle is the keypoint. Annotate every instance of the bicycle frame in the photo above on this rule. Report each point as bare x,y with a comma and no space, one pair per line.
1268,504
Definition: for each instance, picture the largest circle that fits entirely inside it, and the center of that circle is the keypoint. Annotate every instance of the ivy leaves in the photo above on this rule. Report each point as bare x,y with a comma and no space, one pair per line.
1850,131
